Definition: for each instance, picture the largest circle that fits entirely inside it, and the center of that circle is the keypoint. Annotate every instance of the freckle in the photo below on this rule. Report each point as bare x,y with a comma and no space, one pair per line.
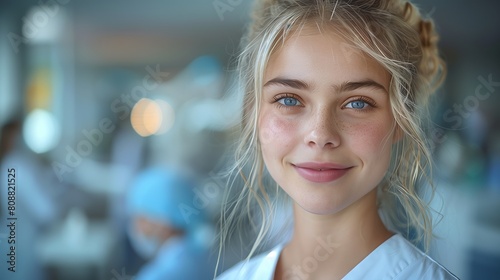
342,126
360,130
349,128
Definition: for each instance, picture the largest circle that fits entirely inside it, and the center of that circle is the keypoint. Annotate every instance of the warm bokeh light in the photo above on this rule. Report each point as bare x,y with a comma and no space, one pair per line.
146,117
39,90
168,116
41,131
152,117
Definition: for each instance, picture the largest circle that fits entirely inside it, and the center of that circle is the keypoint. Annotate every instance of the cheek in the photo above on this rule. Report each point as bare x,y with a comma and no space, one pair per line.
371,139
276,133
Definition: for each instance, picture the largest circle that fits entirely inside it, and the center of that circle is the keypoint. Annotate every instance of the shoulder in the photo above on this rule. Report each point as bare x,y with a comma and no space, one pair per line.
260,267
175,260
397,258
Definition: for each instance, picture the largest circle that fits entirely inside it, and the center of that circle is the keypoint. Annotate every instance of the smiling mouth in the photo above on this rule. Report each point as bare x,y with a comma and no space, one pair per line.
321,172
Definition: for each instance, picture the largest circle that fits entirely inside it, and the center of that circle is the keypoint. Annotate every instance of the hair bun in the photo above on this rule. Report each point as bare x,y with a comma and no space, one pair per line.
426,29
431,67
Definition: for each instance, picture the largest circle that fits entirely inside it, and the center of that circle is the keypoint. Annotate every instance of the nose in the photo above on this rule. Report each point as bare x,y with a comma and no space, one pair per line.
324,130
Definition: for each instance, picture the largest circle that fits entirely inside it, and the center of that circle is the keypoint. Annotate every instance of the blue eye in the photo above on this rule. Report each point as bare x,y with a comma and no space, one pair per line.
357,104
289,101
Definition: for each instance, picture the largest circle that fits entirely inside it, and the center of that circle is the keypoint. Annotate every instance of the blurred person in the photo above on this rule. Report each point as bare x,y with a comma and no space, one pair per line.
127,153
335,92
166,228
35,208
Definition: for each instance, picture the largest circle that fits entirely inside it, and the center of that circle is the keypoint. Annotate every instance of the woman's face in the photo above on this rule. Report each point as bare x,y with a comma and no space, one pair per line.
325,124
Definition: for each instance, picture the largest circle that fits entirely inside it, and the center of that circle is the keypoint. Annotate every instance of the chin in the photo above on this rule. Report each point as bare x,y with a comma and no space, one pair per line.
330,203
322,205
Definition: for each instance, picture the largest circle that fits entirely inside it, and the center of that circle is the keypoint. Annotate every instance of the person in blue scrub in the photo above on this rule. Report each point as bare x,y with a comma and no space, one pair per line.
165,229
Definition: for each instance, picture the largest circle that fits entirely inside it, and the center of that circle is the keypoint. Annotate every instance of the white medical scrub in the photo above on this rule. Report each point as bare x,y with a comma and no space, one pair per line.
396,258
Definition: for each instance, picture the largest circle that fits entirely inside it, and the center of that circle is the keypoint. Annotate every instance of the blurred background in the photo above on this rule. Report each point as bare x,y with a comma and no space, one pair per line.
95,93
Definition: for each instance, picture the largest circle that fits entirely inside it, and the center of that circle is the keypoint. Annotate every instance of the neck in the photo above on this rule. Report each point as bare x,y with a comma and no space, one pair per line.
331,245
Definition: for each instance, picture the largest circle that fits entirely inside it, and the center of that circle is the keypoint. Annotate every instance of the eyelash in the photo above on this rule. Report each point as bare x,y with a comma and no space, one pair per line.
279,97
368,101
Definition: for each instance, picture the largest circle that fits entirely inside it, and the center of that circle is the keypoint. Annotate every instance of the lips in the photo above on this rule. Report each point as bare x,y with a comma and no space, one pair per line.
321,172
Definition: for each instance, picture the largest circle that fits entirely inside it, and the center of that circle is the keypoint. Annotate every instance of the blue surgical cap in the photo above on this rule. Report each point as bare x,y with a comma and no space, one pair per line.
165,195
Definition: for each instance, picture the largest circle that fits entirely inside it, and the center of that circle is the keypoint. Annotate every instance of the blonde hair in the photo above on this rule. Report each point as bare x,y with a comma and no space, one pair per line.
394,34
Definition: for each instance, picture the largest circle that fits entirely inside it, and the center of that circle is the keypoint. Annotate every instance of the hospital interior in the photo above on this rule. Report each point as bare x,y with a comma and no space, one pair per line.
94,95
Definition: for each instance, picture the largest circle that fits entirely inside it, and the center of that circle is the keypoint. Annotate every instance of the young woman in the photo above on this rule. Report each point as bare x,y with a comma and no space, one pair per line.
335,93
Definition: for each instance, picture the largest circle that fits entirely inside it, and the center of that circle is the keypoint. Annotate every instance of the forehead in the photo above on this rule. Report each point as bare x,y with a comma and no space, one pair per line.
322,54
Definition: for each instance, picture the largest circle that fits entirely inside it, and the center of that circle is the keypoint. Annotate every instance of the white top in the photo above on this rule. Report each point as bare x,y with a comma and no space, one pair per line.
396,258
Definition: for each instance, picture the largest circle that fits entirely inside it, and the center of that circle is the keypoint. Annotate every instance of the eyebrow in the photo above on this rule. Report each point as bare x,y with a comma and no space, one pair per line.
345,86
293,83
350,86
